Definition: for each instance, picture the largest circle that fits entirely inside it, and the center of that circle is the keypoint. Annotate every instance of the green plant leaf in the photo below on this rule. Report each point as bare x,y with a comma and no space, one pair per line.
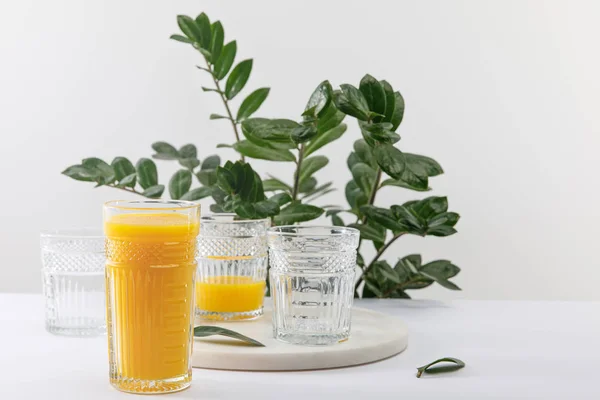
378,133
216,42
390,102
204,331
384,217
336,220
364,176
319,99
273,184
311,165
355,196
364,153
324,138
271,133
189,28
297,212
374,94
323,188
211,162
266,208
207,177
189,163
398,111
456,365
104,173
422,166
352,160
217,116
188,151
370,232
203,24
197,194
308,185
351,102
128,181
329,118
399,183
182,39
387,271
391,161
225,61
154,192
147,175
79,173
238,78
122,168
303,133
180,183
443,269
251,150
373,288
252,103
281,199
165,151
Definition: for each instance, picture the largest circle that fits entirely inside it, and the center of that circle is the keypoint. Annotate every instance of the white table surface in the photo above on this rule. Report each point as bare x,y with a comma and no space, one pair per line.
513,350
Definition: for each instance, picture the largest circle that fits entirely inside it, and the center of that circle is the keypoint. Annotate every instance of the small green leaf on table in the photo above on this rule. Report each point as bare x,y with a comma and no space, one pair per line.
455,364
204,331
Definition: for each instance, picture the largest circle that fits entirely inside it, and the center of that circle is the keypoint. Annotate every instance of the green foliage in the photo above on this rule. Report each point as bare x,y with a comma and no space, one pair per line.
375,162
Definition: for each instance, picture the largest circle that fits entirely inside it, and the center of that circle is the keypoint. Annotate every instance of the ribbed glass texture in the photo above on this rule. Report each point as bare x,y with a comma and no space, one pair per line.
73,282
150,276
312,283
232,267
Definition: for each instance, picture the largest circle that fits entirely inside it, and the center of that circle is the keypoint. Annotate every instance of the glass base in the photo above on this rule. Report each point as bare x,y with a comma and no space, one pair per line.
139,386
305,339
229,316
70,329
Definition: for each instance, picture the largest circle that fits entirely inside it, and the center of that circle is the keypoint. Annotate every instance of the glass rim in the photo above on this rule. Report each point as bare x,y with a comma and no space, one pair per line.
72,233
209,218
167,205
344,231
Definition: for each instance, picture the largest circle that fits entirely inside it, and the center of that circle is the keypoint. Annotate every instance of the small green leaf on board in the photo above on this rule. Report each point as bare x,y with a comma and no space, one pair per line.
204,331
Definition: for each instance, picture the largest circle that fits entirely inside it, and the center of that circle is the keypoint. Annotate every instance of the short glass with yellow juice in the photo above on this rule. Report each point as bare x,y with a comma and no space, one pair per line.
150,276
232,267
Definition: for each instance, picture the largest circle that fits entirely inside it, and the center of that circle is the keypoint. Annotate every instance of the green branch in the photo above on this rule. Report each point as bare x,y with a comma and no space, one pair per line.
225,103
296,187
377,256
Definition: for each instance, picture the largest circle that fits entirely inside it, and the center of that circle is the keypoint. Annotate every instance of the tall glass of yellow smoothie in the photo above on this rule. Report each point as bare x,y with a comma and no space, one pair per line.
232,267
150,275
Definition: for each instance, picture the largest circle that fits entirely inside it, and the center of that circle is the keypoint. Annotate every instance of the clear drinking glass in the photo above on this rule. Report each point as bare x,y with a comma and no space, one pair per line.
312,282
232,267
73,281
150,274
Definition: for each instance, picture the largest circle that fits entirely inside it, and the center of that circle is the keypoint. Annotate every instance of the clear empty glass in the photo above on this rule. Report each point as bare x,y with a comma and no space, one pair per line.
232,267
73,281
312,282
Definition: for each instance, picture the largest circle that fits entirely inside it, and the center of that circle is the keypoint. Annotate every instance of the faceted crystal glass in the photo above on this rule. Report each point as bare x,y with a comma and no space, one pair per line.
73,281
150,276
232,267
312,282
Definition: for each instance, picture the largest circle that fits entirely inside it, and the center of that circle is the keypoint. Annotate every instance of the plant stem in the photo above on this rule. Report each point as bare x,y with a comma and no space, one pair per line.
226,104
296,188
374,260
373,192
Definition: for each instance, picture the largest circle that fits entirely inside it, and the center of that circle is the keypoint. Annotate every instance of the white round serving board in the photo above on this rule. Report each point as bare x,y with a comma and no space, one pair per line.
374,336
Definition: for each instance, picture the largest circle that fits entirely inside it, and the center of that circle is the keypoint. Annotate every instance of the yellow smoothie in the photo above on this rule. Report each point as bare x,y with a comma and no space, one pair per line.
150,275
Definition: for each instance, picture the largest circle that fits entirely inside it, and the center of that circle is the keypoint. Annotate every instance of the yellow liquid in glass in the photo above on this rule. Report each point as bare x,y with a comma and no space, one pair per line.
229,294
150,275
